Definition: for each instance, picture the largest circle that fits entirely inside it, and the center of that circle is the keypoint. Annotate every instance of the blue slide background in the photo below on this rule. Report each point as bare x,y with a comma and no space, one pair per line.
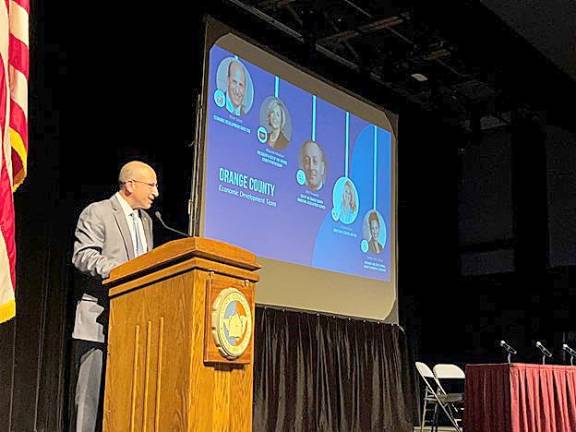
283,225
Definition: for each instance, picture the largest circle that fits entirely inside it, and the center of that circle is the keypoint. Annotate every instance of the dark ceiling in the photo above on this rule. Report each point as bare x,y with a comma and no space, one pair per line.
549,26
460,57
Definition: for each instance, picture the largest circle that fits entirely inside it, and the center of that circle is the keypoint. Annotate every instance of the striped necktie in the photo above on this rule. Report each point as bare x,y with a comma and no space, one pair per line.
137,239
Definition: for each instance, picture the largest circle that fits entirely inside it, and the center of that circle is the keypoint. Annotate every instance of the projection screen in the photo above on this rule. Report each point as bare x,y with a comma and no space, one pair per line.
300,172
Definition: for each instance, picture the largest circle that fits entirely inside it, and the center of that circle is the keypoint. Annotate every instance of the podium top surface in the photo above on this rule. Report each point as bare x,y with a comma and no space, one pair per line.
180,250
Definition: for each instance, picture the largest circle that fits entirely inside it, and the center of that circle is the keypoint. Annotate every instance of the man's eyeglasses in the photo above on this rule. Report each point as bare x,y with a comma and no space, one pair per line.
152,185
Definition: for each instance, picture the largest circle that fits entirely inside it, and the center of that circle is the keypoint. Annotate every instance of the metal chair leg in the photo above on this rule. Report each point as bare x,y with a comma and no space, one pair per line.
423,420
435,420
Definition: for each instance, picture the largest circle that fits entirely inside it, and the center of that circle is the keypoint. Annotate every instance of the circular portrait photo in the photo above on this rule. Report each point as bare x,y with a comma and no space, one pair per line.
275,118
312,162
235,88
344,201
374,231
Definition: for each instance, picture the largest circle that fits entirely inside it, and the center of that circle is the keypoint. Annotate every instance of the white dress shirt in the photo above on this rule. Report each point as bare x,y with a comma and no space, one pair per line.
128,212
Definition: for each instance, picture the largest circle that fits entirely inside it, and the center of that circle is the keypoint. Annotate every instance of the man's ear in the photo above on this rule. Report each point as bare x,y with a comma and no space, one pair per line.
129,187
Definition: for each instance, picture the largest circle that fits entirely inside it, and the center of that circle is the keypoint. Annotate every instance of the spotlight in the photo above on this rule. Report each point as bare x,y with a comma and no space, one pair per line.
419,77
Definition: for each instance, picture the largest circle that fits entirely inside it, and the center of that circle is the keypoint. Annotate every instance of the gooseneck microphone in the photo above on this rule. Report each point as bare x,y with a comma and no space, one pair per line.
509,350
571,352
507,347
545,352
159,217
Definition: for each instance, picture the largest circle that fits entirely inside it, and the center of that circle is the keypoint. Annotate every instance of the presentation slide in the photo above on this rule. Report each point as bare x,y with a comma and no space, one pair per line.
293,175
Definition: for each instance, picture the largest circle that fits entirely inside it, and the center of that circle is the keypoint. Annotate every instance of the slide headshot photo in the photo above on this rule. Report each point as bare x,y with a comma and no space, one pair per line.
313,163
345,201
275,118
235,87
374,231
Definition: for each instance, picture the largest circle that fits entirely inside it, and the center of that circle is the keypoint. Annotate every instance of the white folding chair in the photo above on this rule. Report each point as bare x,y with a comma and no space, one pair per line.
429,403
434,397
454,375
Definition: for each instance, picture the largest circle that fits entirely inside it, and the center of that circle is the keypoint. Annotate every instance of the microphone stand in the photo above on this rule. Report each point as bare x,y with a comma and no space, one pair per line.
544,351
509,350
159,217
570,352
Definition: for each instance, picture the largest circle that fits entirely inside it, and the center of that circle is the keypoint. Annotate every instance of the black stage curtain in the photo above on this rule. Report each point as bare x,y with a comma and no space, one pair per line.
316,372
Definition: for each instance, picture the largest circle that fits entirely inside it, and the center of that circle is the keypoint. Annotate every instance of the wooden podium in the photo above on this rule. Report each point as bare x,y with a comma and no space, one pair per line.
180,340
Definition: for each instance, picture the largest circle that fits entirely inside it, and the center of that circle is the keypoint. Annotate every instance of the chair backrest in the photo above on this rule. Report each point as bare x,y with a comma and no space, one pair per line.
448,371
429,379
424,370
451,375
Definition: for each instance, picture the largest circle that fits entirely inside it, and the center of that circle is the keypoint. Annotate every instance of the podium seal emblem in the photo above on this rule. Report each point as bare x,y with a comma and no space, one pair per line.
231,323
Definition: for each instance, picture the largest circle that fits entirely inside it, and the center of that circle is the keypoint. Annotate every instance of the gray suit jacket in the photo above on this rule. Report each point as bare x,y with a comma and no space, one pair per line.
102,242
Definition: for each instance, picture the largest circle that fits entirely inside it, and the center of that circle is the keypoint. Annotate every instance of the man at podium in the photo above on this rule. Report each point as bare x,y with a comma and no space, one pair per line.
108,233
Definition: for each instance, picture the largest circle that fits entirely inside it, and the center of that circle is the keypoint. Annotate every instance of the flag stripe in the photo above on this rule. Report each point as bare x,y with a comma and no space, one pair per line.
3,81
7,303
18,88
18,121
19,55
3,107
14,70
7,241
7,220
4,23
18,80
25,4
19,22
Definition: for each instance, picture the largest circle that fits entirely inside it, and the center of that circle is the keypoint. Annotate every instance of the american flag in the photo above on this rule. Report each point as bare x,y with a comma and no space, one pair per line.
14,66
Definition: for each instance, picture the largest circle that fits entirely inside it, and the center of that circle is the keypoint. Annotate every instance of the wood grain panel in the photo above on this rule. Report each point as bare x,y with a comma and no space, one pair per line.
221,398
180,250
135,370
202,378
159,372
182,267
161,365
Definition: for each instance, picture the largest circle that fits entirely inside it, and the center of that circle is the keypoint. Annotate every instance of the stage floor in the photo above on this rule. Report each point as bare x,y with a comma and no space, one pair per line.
440,429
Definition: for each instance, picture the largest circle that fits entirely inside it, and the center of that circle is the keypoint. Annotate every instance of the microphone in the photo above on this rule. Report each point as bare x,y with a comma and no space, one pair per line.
507,347
543,349
569,350
159,217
